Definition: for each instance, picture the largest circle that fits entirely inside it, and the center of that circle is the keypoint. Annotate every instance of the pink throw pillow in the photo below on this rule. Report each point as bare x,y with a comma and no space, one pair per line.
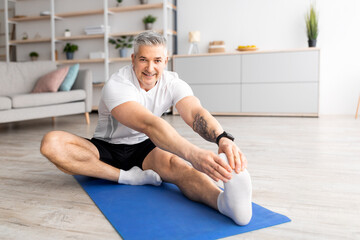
51,81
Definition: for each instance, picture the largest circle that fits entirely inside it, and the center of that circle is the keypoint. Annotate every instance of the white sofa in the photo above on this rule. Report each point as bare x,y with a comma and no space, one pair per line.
17,103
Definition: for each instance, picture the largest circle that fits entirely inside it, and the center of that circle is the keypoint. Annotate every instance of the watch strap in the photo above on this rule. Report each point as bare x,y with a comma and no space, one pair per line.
224,134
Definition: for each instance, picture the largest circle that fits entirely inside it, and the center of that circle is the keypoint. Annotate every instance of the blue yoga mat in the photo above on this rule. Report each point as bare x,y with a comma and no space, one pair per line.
149,212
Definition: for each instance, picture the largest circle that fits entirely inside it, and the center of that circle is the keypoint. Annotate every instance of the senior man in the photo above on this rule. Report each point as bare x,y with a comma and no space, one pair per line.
132,144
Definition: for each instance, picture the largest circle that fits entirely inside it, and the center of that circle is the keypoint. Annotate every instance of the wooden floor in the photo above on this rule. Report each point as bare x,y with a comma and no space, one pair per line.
305,168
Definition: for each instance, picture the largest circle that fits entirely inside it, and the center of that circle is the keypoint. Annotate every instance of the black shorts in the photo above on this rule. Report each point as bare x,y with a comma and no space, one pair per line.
123,156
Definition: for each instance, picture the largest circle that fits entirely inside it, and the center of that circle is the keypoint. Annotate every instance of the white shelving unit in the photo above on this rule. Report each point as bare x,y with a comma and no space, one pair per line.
5,12
165,9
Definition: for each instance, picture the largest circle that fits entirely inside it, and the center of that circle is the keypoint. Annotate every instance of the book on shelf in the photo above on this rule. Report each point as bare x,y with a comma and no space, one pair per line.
96,29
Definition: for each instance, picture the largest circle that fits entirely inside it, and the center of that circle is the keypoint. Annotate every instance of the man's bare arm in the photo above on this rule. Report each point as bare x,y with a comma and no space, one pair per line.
199,119
202,122
164,136
204,127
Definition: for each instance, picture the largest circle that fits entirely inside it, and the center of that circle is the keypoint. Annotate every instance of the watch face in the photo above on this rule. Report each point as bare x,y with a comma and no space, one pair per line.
228,135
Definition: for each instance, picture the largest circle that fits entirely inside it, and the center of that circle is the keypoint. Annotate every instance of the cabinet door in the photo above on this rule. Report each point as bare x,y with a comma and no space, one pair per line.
280,98
280,67
209,69
219,98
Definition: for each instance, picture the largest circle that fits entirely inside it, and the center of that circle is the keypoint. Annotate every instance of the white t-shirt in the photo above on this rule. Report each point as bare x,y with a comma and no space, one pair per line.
124,86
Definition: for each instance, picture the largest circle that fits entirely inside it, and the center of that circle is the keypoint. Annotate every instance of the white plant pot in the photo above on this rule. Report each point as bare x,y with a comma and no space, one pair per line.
148,26
67,34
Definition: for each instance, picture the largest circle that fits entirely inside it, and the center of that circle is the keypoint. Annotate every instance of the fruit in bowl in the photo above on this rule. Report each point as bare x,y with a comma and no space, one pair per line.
247,48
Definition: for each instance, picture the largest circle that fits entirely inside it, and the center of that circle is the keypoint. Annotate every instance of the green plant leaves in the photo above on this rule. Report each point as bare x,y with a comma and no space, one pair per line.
122,42
311,20
149,19
70,47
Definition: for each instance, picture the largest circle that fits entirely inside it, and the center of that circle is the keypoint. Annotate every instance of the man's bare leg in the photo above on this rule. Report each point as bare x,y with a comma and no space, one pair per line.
76,155
195,185
199,187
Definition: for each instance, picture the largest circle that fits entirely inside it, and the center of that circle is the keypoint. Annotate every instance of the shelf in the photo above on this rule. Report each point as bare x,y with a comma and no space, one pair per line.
128,59
134,33
3,10
79,14
40,40
169,32
97,60
31,18
80,37
111,60
115,9
99,84
136,7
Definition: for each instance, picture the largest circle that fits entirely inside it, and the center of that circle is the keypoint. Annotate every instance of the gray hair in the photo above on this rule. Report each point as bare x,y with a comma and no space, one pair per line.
149,38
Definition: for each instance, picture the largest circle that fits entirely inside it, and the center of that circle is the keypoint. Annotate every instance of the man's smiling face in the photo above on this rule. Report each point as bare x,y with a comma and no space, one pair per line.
149,64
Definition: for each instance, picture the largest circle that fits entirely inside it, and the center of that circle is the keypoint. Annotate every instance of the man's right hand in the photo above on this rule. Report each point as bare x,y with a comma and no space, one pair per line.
212,165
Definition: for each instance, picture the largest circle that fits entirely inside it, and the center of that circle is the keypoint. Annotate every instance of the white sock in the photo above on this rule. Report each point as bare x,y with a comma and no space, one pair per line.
235,200
136,176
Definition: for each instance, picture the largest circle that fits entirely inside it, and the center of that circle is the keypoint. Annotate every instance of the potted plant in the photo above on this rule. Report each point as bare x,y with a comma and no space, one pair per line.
311,20
67,33
118,2
144,1
123,43
69,49
34,56
148,21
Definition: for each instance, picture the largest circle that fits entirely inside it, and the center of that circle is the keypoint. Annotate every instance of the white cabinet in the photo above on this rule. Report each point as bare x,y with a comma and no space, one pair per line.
280,67
215,80
219,98
254,83
209,69
280,98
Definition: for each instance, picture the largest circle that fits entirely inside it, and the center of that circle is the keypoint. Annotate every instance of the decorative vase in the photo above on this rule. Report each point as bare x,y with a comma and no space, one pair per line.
69,55
148,26
123,52
312,42
144,1
25,36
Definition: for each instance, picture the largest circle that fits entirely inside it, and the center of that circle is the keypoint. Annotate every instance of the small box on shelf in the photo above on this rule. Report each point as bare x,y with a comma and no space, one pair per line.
95,55
216,47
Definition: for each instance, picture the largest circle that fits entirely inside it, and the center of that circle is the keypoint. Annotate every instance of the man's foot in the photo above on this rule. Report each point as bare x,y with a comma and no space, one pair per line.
136,176
235,200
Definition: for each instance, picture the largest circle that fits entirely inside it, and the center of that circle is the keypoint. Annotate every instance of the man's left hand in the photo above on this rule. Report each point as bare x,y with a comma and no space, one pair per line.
236,158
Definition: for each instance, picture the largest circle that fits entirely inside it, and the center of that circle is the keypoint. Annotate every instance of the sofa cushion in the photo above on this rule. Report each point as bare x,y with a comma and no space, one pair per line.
51,82
43,99
21,77
5,103
70,78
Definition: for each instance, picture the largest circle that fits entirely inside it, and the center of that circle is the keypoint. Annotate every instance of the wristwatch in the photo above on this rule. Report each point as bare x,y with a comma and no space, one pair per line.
224,134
